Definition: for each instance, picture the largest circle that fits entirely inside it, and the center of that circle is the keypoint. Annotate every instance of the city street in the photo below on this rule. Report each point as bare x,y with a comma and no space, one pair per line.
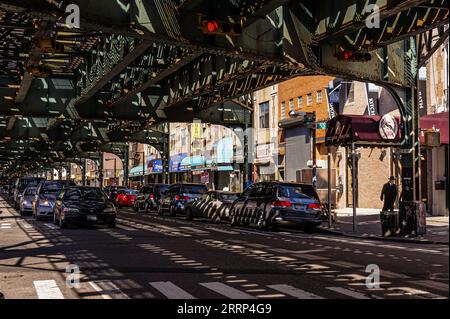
161,257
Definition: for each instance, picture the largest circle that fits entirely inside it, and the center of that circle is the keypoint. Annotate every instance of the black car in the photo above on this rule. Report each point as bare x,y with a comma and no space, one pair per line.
178,195
109,190
83,205
274,204
214,205
149,197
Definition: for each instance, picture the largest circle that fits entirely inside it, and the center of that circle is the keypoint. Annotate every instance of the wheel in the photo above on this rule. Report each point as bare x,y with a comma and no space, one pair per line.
135,208
147,208
112,224
261,223
189,215
233,220
309,229
172,211
160,211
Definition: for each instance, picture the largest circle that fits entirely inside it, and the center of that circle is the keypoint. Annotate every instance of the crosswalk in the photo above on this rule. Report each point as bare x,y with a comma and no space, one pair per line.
49,289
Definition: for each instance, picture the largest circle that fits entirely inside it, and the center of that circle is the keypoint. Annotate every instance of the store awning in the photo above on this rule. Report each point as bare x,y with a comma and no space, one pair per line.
363,130
136,171
438,121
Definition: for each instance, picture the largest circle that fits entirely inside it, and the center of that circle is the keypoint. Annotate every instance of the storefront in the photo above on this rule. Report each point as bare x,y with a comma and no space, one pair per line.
435,163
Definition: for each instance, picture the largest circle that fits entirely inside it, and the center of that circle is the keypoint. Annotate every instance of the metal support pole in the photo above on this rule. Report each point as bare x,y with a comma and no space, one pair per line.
166,155
83,172
126,170
100,170
329,186
143,169
354,185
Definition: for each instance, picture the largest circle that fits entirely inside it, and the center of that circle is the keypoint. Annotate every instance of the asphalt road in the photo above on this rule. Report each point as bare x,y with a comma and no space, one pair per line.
150,256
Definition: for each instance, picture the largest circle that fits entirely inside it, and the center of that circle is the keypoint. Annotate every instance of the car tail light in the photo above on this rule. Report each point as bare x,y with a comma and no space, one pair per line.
282,203
314,206
151,196
178,197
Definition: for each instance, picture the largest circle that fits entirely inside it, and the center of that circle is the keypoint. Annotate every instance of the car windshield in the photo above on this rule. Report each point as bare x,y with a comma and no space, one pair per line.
131,192
194,189
23,183
84,194
292,192
51,188
230,197
30,191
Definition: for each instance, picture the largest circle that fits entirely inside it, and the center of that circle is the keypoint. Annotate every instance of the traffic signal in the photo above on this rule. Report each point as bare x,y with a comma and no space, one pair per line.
216,27
353,56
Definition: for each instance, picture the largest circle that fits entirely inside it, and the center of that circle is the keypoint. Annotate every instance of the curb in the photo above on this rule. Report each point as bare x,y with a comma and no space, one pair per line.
393,239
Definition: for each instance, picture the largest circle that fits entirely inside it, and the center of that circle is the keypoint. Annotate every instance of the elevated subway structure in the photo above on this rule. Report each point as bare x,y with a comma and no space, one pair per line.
133,66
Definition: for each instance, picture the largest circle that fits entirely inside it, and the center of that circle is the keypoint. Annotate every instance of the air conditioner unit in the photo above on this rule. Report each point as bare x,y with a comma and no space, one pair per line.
432,138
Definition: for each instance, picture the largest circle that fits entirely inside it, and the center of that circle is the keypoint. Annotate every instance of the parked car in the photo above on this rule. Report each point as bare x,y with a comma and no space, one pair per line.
21,184
81,205
111,191
26,200
45,197
178,195
214,205
272,204
125,197
149,197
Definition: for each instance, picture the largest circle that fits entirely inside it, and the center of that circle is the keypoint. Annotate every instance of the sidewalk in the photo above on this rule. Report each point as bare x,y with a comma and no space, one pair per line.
369,226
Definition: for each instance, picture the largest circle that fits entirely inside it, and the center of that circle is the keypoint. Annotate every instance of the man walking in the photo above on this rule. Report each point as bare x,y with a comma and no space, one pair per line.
389,194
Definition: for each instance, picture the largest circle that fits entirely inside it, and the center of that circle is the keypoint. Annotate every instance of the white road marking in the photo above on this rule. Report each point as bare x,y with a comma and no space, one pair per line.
294,292
345,264
347,292
108,290
195,230
226,290
432,284
47,289
126,228
170,290
231,232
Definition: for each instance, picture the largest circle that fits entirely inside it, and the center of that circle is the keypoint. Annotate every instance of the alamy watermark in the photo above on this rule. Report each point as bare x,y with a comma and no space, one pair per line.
73,18
373,20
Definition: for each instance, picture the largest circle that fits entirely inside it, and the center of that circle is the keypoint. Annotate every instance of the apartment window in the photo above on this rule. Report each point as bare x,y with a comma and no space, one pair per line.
319,97
300,102
291,104
309,99
283,110
264,115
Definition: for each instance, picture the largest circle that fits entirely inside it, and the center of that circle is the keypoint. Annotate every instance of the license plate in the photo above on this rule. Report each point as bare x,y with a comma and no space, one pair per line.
92,218
300,207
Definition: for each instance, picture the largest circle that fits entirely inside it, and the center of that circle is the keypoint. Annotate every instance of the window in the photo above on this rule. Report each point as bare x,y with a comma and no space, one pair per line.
264,115
300,102
319,97
283,110
309,99
291,104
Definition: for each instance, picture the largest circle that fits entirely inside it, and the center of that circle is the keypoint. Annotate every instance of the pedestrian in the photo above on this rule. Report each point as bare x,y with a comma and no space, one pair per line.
389,194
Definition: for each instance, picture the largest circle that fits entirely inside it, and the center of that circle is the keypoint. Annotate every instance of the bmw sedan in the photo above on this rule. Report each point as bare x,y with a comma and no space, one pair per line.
274,204
214,205
84,205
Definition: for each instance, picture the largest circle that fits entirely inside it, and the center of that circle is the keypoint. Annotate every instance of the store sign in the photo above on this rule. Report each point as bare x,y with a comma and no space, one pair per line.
388,127
264,150
196,130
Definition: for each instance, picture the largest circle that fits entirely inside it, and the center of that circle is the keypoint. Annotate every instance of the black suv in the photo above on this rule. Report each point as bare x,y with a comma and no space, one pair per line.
178,195
149,197
273,204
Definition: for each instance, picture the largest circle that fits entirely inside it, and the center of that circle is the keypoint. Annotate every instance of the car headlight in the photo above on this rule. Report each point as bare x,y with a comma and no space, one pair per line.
25,202
44,203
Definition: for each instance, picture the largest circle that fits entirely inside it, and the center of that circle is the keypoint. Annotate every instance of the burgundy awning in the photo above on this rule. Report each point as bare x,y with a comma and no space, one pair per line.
438,121
361,129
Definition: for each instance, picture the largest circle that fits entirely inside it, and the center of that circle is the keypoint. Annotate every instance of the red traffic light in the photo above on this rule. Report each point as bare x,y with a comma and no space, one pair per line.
354,56
212,26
